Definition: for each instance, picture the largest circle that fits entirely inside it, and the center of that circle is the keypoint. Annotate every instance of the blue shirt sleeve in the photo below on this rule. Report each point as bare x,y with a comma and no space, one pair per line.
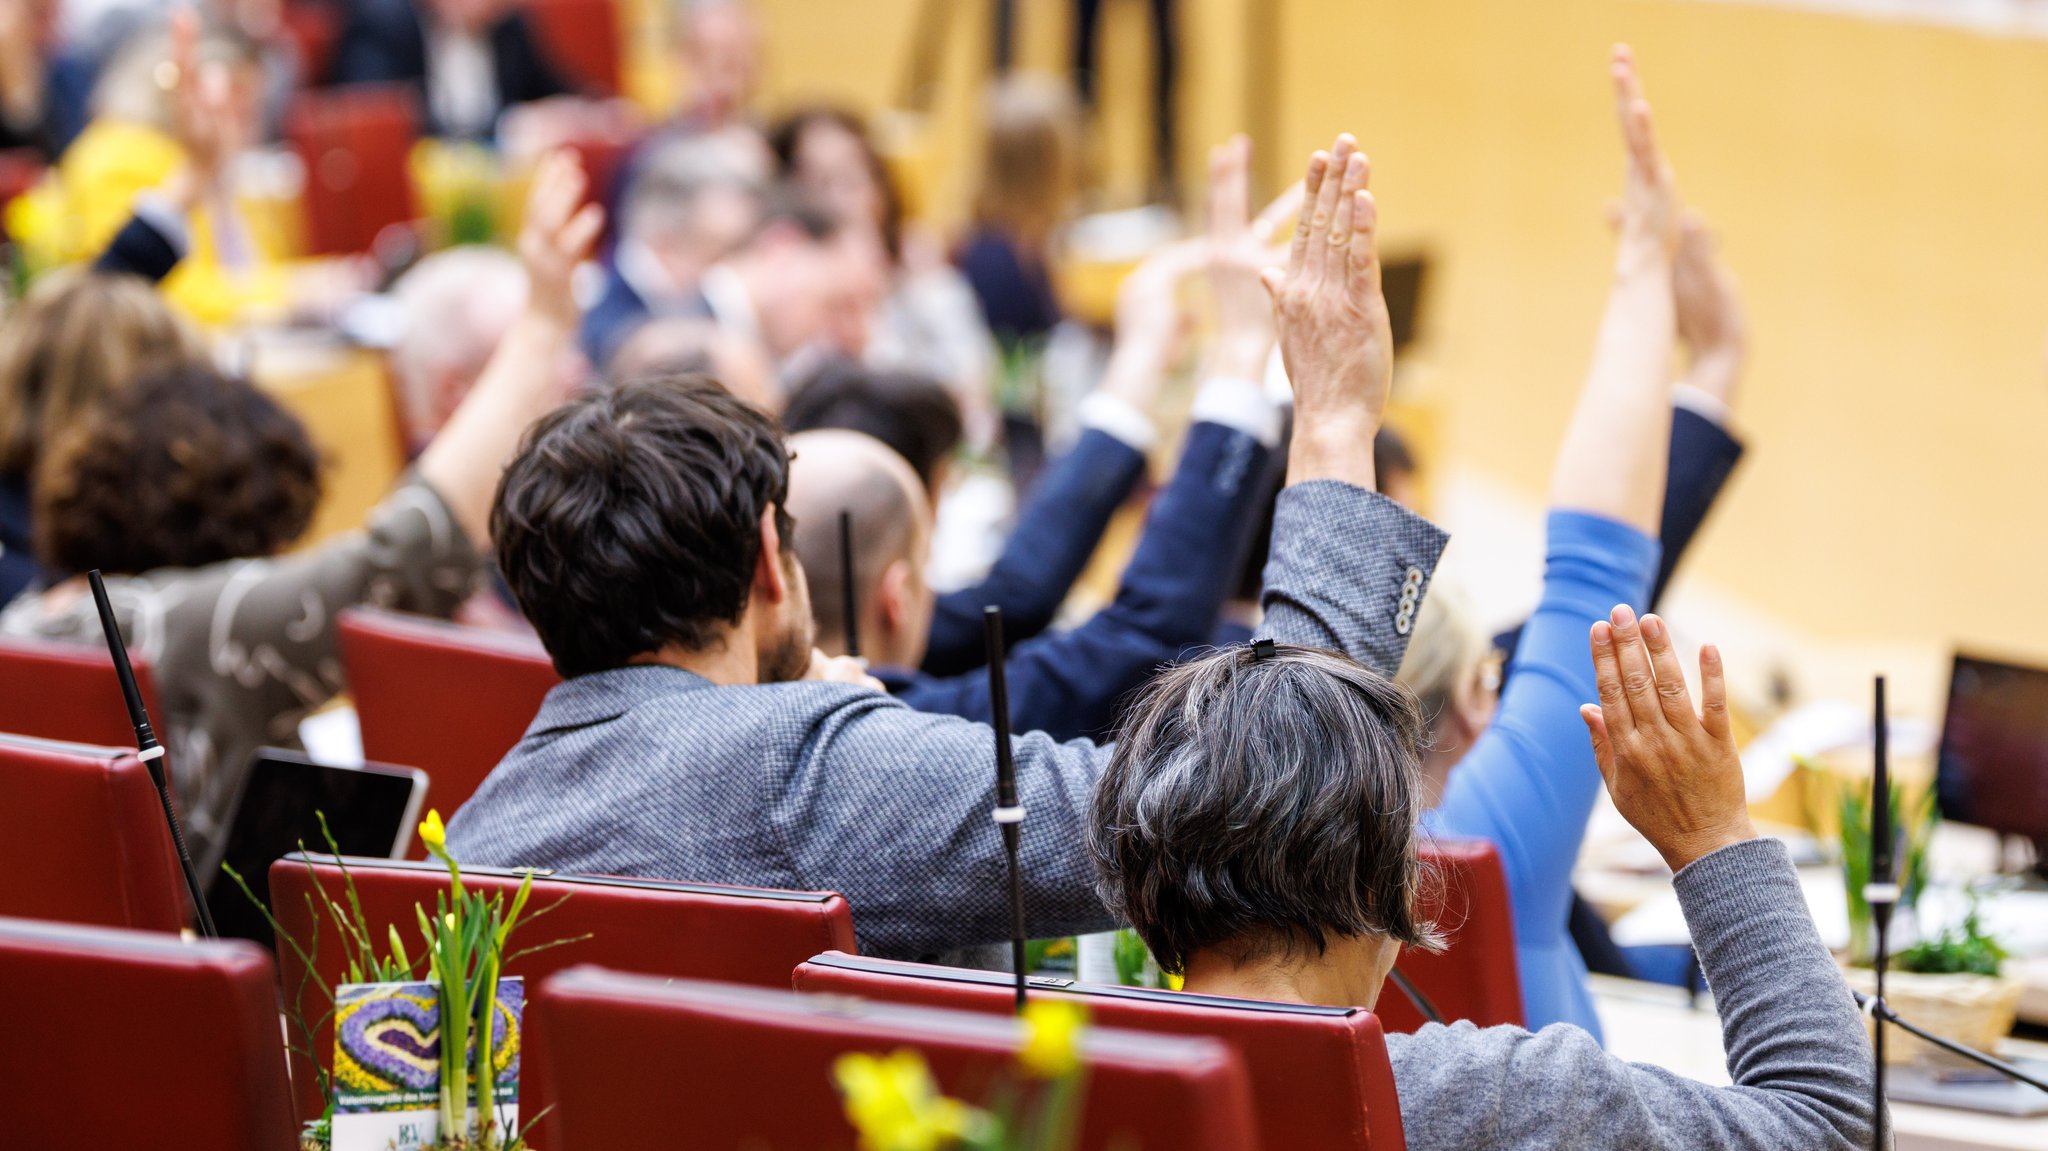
1530,782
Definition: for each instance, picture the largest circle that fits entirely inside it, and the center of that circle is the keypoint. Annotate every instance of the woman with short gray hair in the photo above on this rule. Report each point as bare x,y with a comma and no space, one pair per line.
1257,826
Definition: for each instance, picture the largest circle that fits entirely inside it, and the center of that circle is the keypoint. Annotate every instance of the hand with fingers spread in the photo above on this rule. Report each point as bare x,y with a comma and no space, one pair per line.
1238,256
1334,334
1674,775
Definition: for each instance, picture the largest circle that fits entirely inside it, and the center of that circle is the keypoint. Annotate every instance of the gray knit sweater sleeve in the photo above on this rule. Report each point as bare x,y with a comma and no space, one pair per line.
1796,1047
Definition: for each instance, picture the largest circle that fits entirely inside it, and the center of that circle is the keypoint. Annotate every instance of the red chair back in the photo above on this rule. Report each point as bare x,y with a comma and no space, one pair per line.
83,840
354,143
132,1039
68,691
1319,1076
1475,977
736,934
583,40
447,699
750,1068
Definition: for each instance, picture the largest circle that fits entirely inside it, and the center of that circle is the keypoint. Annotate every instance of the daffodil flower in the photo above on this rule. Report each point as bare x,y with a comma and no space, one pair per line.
434,834
892,1101
1051,1046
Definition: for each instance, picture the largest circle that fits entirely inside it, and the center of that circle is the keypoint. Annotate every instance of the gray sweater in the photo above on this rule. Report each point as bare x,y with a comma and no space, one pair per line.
1796,1047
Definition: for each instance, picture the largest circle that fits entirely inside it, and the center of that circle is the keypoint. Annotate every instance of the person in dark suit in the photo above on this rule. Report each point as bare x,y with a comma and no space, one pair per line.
469,59
699,733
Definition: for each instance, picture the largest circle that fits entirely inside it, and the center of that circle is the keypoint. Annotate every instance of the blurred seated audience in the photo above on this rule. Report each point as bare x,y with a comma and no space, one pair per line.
456,306
718,53
186,488
646,535
1029,176
1258,823
691,345
469,60
929,320
78,337
688,203
44,86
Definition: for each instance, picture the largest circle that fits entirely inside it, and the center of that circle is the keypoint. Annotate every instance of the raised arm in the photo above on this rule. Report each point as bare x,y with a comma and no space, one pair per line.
1349,567
1613,457
521,382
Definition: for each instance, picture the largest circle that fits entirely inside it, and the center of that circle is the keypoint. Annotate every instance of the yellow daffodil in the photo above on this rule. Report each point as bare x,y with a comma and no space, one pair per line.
434,834
1051,1048
892,1101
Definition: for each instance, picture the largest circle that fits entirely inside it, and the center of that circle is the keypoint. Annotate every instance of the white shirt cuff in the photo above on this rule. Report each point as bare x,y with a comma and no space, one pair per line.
159,213
1119,418
1701,403
1239,404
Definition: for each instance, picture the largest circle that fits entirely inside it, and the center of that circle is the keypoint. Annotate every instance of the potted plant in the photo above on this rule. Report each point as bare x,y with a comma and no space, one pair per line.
1951,983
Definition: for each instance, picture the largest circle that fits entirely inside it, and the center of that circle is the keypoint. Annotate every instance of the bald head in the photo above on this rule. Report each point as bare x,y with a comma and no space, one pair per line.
833,471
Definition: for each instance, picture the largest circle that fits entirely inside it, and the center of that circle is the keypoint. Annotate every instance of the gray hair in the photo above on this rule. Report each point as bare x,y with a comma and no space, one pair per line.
457,306
1258,804
1446,647
663,196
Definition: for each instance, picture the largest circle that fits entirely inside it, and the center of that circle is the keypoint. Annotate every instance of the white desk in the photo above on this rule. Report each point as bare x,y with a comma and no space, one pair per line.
1650,1023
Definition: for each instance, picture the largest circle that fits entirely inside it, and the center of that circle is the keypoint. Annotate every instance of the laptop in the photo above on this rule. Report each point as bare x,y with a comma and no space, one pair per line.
371,810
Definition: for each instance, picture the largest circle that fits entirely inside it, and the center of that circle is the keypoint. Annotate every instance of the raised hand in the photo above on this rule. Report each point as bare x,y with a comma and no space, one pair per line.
1151,322
556,235
1711,322
1238,256
1334,334
1674,775
1649,205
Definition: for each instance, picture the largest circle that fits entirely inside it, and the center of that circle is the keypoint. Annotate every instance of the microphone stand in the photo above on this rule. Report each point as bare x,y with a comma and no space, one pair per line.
147,748
1008,814
849,596
1880,893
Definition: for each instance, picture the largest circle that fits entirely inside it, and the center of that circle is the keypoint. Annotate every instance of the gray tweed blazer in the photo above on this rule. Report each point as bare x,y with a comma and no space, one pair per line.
658,773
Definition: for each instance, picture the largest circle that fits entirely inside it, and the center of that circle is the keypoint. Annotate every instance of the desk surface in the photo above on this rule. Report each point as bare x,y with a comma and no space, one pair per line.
1648,1023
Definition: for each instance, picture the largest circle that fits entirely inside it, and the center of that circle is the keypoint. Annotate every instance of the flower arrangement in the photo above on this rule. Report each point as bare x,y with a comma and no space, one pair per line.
895,1105
463,1040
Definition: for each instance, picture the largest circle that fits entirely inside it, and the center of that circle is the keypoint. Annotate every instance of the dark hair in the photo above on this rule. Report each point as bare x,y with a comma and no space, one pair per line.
630,519
788,136
787,207
1256,804
912,413
183,468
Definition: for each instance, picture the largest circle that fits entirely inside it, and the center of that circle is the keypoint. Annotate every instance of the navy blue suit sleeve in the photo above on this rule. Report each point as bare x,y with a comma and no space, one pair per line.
1703,455
606,325
138,249
1071,684
1056,533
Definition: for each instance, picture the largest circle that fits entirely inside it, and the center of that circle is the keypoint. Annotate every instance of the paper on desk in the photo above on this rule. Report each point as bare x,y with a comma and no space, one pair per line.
1816,729
1658,920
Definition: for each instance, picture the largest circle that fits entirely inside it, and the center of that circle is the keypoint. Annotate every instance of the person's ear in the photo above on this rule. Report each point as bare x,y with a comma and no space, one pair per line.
771,584
893,596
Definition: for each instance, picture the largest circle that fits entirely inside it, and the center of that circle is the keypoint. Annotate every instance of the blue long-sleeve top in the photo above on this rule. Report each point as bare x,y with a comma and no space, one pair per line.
1529,783
1070,684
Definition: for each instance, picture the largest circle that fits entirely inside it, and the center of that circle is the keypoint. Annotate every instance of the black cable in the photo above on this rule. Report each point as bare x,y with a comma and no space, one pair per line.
1884,1011
1415,996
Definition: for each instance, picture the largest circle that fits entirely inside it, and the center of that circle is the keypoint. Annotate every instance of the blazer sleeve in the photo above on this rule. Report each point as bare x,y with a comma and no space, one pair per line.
1071,684
1348,571
1703,456
140,248
1056,533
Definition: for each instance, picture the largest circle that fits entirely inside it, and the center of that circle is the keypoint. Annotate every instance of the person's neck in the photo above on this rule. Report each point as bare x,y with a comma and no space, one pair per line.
1347,974
734,661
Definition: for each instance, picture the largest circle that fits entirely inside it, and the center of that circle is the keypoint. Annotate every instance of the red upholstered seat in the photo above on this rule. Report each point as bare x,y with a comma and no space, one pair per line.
68,691
447,699
1319,1075
82,837
1476,976
134,1039
737,934
638,1062
582,38
355,143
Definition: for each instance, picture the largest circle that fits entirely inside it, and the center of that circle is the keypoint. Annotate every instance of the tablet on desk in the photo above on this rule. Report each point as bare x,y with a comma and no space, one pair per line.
369,809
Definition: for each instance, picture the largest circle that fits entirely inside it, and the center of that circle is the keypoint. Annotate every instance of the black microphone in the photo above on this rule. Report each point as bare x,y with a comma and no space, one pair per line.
849,596
1880,893
1009,814
147,748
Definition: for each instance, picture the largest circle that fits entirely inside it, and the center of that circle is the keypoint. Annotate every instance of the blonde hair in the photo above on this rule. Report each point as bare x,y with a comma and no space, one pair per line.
77,337
1029,166
1446,647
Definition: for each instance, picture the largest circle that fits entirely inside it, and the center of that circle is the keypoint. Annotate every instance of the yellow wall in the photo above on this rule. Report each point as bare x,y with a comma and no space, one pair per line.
1883,192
